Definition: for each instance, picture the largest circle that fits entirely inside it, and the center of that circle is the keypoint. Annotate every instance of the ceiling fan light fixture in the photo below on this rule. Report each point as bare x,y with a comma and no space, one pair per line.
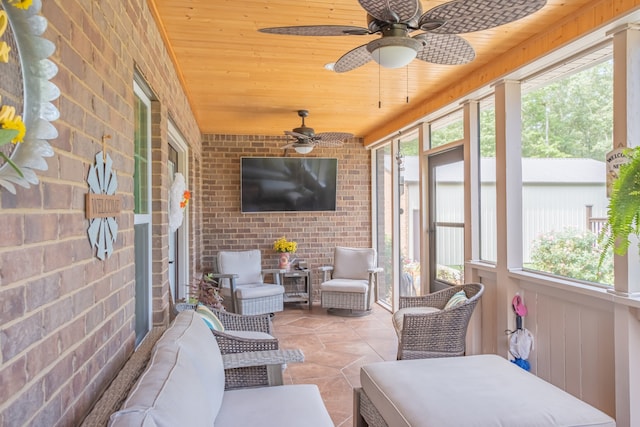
303,149
394,52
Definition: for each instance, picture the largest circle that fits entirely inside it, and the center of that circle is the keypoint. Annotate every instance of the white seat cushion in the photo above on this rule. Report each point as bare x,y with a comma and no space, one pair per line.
283,406
398,316
344,285
484,390
258,290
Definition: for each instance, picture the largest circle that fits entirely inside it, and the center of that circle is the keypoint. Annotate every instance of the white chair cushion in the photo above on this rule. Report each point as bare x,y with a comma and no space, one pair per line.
258,290
286,405
353,263
246,264
345,285
398,316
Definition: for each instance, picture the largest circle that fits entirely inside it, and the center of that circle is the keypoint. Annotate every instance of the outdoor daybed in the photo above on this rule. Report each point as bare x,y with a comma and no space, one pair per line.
482,391
184,385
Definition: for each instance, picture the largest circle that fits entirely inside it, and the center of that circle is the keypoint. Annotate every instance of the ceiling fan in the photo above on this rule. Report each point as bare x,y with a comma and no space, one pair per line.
438,43
306,139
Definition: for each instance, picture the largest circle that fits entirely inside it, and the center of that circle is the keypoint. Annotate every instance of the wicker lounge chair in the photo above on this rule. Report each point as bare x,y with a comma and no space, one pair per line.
426,329
242,334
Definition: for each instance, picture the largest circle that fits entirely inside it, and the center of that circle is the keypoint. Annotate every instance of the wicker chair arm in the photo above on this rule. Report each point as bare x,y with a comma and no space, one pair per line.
223,276
437,299
233,344
261,358
276,273
272,361
326,272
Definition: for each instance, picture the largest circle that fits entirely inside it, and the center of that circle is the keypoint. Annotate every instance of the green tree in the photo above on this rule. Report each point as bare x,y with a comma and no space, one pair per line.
571,117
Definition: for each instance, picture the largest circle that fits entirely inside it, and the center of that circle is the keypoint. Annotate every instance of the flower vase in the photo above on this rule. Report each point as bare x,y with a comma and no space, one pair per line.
283,261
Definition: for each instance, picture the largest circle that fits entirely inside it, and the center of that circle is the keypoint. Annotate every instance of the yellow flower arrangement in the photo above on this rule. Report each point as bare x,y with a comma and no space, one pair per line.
284,245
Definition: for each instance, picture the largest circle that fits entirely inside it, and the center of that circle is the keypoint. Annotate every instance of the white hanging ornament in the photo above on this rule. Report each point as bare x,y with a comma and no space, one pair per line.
176,195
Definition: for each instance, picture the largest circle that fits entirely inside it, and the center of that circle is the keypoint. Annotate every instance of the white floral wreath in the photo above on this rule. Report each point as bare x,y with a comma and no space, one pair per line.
178,199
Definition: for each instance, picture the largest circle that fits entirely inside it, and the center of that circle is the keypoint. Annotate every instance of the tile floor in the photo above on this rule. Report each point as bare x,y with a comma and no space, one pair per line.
334,347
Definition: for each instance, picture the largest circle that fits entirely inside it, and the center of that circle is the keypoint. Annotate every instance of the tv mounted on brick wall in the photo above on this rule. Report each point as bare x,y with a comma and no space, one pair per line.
277,184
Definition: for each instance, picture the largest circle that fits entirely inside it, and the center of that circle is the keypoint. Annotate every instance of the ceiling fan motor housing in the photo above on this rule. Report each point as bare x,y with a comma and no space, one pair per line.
305,130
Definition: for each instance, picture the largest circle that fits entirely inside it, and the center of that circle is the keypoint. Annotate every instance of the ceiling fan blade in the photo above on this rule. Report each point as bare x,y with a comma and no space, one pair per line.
299,136
353,59
447,49
391,10
476,15
290,145
333,139
317,30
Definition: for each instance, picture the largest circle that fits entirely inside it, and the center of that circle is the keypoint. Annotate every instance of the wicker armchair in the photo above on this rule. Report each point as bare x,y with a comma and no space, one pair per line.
241,283
242,334
348,286
425,329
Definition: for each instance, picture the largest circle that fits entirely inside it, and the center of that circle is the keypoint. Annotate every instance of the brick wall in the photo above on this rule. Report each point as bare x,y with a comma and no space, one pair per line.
66,318
224,227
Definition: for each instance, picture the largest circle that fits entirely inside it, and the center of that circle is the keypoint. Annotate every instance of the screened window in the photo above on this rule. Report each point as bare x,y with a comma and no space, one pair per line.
567,128
447,129
383,171
409,214
488,239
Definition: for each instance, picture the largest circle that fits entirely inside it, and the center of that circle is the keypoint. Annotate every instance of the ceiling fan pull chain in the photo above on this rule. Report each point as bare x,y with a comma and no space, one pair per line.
379,96
407,80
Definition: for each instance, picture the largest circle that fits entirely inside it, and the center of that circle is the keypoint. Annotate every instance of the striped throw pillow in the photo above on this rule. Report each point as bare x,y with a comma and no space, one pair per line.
457,299
210,318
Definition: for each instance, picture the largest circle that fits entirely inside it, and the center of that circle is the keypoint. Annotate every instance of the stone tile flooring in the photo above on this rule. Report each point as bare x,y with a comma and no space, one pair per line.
335,348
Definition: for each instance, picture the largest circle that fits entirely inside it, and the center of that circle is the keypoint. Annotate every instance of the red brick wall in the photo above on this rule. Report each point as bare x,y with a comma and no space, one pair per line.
66,318
317,233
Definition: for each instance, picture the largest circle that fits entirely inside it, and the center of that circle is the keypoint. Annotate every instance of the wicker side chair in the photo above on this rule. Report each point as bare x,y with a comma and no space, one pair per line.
242,333
348,286
426,329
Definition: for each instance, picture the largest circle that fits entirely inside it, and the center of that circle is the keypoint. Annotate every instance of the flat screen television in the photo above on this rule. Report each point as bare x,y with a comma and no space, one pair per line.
277,184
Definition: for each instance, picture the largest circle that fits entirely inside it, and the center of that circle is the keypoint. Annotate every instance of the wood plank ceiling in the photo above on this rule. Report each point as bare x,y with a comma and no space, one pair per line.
241,81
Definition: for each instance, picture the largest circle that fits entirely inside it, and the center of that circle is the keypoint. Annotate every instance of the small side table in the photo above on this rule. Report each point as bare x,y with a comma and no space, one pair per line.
297,286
